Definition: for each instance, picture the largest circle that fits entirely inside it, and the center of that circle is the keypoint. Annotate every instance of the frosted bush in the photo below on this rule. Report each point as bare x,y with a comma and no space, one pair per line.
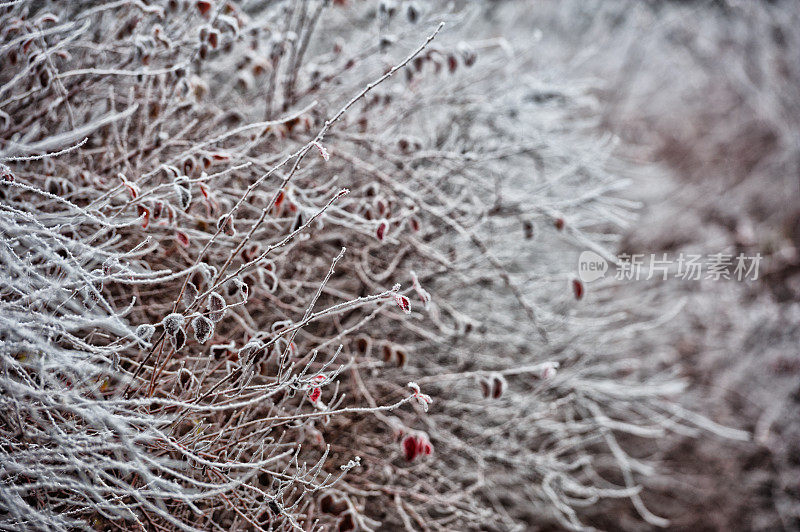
336,200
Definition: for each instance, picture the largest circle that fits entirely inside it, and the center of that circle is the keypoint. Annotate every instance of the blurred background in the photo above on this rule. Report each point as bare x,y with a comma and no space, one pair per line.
704,100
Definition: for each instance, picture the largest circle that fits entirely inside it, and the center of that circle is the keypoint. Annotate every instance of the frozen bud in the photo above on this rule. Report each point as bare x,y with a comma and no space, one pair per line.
279,197
412,12
527,229
363,344
145,331
203,328
173,323
97,280
424,444
230,22
403,302
189,164
216,306
208,272
347,523
5,173
178,339
251,252
559,223
204,7
110,265
185,378
170,214
248,352
400,357
333,505
46,18
323,152
498,385
237,286
416,444
314,394
388,352
577,289
189,294
225,223
298,222
44,77
213,38
452,63
548,370
52,186
381,231
133,188
423,399
220,350
143,213
183,192
386,41
467,54
486,387
245,81
409,448
182,238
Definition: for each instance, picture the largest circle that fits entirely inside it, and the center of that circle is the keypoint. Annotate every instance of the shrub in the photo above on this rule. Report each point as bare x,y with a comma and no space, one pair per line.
325,198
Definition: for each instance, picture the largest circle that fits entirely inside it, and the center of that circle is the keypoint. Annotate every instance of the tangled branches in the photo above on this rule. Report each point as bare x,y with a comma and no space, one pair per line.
232,236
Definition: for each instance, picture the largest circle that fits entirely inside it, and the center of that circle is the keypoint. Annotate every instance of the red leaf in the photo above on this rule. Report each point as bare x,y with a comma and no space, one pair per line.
204,7
132,189
146,213
381,230
314,395
403,302
183,239
410,447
